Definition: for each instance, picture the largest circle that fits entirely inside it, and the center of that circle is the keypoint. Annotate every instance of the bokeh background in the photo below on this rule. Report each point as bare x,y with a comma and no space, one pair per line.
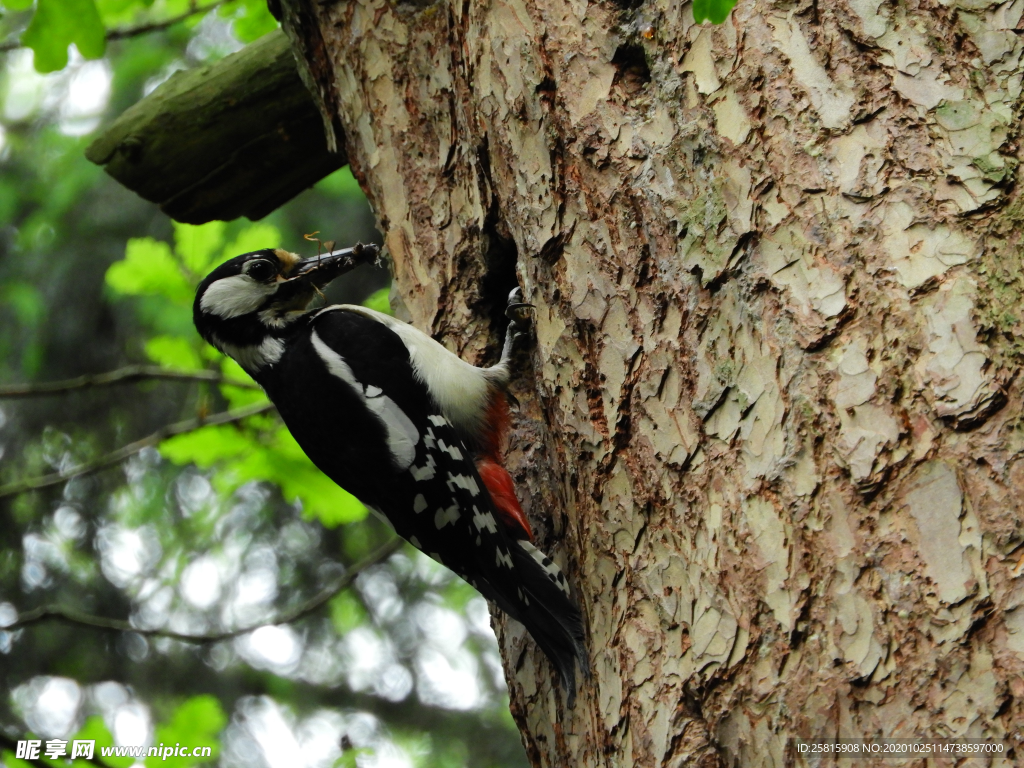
216,529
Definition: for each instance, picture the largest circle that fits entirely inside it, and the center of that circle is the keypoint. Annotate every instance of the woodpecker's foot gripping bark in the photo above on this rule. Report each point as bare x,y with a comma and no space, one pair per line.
520,322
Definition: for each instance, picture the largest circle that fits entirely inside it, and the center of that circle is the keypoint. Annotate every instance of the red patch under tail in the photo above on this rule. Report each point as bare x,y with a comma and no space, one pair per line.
495,477
503,492
497,421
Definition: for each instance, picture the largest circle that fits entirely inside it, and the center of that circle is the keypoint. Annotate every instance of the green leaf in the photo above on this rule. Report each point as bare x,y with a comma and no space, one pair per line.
149,269
714,10
197,245
378,300
59,23
321,497
252,21
255,237
123,12
17,5
274,457
196,723
95,729
347,612
173,352
350,757
177,7
207,446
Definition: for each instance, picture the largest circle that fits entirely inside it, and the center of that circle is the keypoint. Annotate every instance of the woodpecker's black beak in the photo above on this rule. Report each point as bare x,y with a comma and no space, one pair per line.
318,271
307,277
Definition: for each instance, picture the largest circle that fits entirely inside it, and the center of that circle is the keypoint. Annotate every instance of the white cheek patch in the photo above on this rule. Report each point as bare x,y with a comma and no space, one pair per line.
234,296
401,432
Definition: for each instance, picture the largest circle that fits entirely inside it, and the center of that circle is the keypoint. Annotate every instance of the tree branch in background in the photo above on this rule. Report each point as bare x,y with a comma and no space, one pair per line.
159,26
238,137
127,375
72,616
8,743
115,457
141,29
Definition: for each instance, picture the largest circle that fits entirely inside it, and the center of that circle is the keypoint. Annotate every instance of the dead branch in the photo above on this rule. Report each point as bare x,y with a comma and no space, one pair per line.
128,375
115,457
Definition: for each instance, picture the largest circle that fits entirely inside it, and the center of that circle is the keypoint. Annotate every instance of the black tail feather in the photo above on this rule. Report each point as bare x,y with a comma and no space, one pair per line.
549,614
540,602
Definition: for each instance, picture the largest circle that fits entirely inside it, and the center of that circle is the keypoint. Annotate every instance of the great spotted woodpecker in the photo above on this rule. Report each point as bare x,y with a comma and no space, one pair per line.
393,417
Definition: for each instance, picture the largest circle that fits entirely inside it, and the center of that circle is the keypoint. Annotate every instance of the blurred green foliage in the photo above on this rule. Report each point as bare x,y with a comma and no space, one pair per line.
94,729
57,24
196,722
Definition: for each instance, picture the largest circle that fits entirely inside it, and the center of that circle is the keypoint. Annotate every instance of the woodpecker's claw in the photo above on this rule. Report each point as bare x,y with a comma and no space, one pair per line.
518,311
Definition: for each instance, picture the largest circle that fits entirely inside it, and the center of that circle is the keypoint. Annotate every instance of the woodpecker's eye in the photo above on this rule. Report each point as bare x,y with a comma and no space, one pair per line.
260,270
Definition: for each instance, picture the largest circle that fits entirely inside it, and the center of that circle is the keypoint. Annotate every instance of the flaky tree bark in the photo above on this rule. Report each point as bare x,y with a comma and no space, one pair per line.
771,426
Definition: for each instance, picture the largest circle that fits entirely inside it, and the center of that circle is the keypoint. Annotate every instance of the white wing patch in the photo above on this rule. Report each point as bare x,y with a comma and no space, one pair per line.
446,516
429,468
451,450
426,472
401,432
234,296
460,389
465,482
484,521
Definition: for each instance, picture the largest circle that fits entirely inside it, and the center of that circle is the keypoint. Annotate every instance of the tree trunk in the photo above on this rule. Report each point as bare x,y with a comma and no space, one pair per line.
771,426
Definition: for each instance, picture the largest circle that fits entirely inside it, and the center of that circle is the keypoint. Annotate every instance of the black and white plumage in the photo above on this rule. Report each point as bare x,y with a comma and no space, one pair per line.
400,422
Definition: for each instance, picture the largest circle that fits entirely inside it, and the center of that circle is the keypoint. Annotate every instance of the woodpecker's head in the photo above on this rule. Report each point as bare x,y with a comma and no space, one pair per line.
244,306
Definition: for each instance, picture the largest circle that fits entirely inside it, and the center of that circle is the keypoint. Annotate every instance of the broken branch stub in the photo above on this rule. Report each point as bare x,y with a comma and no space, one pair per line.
236,138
